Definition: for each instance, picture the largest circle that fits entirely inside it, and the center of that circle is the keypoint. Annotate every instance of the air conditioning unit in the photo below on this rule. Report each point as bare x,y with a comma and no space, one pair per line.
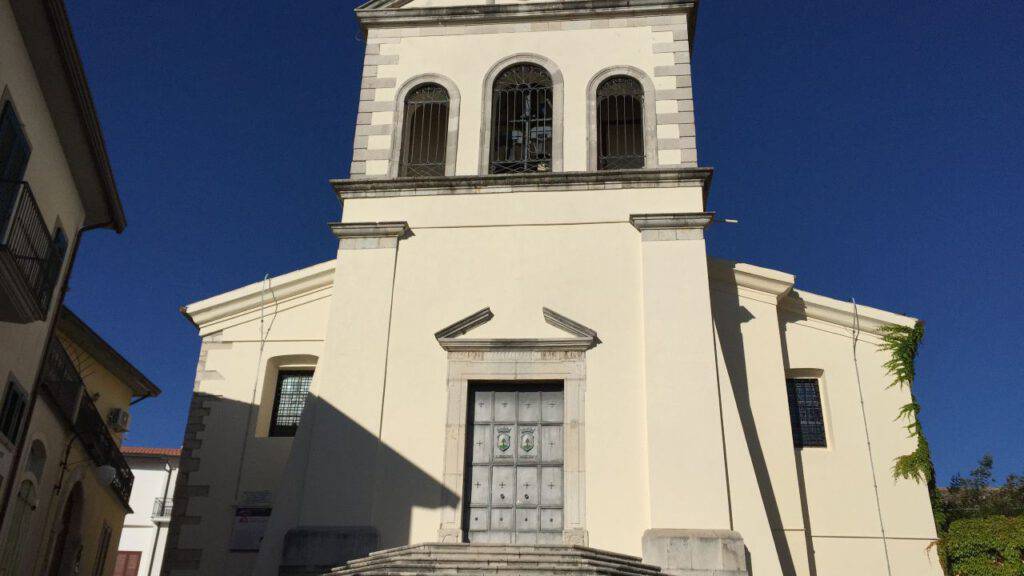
119,419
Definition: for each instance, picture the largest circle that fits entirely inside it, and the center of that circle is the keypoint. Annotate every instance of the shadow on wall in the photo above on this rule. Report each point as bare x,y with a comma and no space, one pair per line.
729,316
318,521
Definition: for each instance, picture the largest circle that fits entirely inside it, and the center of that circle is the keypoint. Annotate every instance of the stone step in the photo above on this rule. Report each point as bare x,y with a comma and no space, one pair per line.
495,560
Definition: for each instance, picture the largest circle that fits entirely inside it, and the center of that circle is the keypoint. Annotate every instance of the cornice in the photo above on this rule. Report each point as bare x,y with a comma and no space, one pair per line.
675,221
249,298
864,318
353,188
382,13
774,283
480,344
468,323
345,230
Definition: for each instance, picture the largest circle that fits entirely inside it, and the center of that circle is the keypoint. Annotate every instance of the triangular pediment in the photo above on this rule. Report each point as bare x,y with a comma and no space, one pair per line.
577,336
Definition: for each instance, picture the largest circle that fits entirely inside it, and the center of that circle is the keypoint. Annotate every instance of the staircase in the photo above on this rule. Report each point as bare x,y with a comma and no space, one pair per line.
495,560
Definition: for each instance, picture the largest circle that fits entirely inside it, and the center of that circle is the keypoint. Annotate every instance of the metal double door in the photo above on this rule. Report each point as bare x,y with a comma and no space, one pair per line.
516,477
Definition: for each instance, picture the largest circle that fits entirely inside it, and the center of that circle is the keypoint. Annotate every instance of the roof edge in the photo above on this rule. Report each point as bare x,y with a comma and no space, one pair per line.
75,329
781,287
247,298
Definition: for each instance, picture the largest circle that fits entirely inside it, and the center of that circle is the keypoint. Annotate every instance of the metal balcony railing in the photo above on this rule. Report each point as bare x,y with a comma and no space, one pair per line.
62,382
162,507
26,244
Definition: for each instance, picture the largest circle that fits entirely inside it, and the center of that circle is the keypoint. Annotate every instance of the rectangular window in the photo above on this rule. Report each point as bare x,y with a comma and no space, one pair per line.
13,412
805,412
290,399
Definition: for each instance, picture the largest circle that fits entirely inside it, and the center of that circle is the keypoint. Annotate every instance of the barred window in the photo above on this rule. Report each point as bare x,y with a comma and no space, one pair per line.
12,412
620,124
522,117
424,131
290,399
805,412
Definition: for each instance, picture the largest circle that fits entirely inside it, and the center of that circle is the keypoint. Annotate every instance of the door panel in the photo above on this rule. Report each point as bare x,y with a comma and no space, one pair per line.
515,477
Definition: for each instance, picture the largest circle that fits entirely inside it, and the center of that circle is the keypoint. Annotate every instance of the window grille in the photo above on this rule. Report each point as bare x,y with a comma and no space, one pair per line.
620,124
424,132
522,115
292,387
805,412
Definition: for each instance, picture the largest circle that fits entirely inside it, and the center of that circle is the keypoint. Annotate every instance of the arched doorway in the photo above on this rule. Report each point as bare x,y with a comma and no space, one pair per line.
67,549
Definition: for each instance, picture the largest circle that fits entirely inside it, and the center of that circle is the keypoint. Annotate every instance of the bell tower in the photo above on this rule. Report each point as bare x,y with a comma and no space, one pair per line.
534,162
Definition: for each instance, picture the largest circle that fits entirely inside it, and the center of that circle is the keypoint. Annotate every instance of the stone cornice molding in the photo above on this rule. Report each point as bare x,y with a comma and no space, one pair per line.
676,221
382,13
273,292
346,230
535,182
569,325
468,323
480,344
745,277
678,226
863,318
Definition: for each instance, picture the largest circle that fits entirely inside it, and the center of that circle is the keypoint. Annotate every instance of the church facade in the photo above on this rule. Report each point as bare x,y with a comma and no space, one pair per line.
523,345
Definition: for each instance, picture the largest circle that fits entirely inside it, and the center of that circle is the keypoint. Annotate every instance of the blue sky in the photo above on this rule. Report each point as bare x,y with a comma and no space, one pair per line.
873,149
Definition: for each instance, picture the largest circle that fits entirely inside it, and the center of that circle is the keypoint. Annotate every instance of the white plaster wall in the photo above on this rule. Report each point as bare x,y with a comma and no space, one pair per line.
842,506
232,458
141,532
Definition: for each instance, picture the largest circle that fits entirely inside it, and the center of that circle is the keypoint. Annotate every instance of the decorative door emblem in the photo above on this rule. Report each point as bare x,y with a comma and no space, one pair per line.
504,440
527,441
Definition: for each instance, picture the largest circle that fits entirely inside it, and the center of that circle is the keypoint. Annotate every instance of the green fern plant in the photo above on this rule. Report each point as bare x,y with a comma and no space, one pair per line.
902,343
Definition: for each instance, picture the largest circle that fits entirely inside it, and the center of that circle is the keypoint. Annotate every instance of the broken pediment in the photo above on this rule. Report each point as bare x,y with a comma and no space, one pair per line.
578,336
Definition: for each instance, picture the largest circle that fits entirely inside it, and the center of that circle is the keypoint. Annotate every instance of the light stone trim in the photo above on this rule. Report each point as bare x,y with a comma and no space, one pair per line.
498,362
451,144
474,320
557,92
650,113
370,235
677,226
663,177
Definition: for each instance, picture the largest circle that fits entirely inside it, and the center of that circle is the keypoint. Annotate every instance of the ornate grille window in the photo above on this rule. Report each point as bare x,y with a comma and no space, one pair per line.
522,116
805,413
620,124
290,399
424,131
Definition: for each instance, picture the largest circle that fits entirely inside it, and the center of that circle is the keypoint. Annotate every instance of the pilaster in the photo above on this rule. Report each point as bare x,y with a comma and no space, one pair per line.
342,419
685,447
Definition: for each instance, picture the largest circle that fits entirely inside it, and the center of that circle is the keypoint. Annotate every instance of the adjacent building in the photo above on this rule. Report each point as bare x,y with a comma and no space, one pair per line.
64,391
73,485
523,347
141,549
55,184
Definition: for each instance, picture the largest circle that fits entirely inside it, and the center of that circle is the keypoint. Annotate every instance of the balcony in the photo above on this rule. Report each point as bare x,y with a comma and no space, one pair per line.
29,261
62,383
162,507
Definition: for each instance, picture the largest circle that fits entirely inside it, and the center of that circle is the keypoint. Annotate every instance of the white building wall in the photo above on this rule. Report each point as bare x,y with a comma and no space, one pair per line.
155,477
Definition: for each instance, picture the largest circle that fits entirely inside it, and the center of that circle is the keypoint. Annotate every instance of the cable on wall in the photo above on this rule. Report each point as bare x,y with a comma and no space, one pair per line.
867,437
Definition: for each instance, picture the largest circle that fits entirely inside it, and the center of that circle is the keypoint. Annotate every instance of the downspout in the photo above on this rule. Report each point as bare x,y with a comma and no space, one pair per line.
34,395
156,536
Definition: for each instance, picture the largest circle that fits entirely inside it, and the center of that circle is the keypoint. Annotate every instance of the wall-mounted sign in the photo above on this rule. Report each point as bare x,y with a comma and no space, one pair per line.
247,531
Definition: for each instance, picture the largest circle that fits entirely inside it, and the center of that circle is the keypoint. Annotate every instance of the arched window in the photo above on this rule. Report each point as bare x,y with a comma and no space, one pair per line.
522,117
424,131
620,124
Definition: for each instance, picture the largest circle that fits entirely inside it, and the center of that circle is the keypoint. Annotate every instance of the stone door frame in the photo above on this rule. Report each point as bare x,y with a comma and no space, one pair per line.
509,361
